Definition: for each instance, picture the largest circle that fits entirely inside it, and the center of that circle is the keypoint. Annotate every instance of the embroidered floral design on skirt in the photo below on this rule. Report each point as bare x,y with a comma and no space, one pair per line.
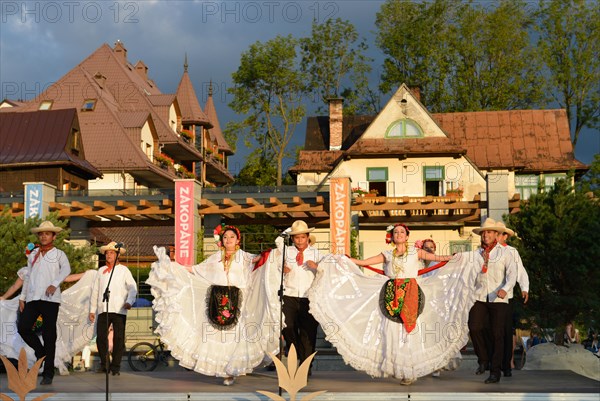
223,306
400,302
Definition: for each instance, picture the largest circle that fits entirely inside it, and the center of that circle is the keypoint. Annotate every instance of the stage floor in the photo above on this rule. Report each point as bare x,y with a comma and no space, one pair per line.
178,384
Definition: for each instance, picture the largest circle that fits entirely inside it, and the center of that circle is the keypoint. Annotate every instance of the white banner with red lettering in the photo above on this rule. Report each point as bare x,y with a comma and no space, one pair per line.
339,221
184,222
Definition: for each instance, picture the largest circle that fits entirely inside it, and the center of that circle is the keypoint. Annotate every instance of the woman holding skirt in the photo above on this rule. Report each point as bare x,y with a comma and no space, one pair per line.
220,317
395,324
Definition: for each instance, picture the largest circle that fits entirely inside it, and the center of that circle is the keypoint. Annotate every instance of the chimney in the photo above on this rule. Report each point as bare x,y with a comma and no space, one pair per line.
120,51
416,91
336,117
142,70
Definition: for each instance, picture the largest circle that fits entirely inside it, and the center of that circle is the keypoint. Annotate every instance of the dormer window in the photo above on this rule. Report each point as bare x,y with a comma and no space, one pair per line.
89,105
405,128
46,105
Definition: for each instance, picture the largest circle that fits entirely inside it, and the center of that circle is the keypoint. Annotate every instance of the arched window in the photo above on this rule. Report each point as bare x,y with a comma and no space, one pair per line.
405,128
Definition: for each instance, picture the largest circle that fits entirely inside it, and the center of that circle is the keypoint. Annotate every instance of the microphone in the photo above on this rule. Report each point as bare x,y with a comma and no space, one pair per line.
286,232
120,245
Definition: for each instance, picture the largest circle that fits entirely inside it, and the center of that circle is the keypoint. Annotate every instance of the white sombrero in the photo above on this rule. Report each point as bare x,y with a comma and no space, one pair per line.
490,225
300,227
112,246
46,226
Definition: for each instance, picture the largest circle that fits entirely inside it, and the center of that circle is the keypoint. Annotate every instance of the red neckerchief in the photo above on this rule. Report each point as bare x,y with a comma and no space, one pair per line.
486,256
300,256
109,268
42,249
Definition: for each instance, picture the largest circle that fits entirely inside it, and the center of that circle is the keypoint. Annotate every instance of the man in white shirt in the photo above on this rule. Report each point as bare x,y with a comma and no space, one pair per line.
523,281
299,270
47,268
121,295
487,317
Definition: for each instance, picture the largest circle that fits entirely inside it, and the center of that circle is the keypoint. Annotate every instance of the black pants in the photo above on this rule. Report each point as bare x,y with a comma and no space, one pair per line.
487,321
301,326
49,312
118,322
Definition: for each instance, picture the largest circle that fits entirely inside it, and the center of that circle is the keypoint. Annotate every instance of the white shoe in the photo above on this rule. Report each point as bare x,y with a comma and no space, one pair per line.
436,373
228,381
407,382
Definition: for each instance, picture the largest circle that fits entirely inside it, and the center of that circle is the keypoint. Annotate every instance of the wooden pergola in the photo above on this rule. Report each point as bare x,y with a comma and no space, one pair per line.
279,210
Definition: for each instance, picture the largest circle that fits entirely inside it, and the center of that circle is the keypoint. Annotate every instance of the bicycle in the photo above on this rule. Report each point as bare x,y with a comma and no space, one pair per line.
144,357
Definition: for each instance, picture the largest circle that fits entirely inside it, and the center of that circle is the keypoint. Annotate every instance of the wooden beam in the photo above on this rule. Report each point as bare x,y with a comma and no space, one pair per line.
125,204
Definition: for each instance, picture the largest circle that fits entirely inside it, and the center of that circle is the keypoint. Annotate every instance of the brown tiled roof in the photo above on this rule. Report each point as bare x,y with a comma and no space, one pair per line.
406,146
319,161
166,99
41,138
215,131
529,140
137,240
317,131
133,119
106,130
191,112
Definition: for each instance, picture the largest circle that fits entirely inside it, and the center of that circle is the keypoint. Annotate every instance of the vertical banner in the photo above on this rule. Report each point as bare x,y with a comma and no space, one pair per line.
33,200
185,238
38,197
339,204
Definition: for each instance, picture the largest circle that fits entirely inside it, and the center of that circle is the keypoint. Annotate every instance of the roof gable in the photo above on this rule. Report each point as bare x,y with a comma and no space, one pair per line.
403,105
42,138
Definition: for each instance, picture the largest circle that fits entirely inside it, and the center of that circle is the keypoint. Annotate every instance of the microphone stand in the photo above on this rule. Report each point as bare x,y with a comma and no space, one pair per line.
280,293
105,299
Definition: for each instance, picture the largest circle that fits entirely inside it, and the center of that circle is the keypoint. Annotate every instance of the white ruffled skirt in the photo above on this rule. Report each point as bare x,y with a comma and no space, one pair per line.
180,303
74,330
346,304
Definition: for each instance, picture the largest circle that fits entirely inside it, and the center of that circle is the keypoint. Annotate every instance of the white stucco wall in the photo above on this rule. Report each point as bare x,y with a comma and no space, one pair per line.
113,181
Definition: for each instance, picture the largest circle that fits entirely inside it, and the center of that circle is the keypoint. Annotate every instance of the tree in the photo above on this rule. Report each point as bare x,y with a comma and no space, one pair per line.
332,54
269,88
559,232
15,234
413,36
569,45
494,65
258,171
464,56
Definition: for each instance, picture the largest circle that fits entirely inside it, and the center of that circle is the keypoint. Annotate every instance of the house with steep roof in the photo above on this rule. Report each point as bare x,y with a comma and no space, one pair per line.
137,136
43,146
439,173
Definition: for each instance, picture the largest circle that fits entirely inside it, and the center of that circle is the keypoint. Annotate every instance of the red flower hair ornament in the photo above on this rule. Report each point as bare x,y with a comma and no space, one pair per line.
220,230
390,229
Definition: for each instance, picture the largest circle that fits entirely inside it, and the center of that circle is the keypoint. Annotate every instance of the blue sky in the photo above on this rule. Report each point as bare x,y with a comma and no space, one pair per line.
41,40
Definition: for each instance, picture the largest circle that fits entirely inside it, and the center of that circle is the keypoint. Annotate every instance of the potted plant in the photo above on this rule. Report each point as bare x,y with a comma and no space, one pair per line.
455,192
184,172
164,160
186,135
373,193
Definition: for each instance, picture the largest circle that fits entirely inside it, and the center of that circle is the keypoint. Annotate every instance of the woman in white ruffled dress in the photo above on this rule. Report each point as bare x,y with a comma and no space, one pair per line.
400,326
74,332
221,317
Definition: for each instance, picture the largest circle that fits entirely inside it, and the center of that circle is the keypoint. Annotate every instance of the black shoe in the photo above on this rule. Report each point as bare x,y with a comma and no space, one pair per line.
492,379
271,367
100,370
116,373
480,369
46,380
508,373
